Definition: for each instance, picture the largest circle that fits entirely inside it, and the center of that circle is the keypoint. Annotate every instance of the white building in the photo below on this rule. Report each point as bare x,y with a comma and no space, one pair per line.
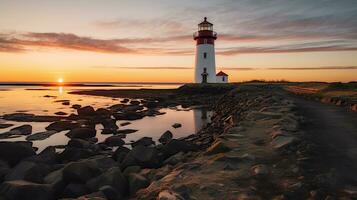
205,63
221,77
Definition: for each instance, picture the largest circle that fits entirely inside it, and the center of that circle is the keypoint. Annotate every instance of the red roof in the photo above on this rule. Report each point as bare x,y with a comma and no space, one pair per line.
221,74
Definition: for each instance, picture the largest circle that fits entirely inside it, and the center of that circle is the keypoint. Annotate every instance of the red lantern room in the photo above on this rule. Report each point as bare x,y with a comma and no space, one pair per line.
205,33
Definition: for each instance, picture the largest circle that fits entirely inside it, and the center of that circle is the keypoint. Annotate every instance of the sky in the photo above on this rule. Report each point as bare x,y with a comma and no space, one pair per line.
151,41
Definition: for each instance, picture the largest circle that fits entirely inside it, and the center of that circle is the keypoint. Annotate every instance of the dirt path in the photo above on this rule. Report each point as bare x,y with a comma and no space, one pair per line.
334,130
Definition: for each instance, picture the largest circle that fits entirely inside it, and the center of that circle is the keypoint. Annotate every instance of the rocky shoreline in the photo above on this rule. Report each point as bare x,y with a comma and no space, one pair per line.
254,148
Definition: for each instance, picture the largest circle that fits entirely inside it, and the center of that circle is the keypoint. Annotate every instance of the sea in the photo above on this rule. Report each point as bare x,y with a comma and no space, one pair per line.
46,99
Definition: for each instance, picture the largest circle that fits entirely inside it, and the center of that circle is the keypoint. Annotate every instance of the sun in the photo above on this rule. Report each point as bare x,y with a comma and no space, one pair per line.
60,80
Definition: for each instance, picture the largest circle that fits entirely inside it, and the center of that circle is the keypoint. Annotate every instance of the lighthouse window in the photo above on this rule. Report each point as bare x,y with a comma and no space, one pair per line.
204,55
223,78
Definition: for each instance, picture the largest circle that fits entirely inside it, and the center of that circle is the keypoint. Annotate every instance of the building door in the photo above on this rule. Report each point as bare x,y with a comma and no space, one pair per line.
204,75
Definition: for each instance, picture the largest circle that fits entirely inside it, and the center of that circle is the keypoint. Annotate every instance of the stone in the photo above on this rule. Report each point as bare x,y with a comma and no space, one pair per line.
18,116
74,190
81,133
125,123
22,130
259,170
131,169
137,182
109,124
86,111
173,160
165,137
80,172
110,192
47,156
282,141
128,116
62,126
55,181
176,125
24,190
102,112
126,131
218,147
41,135
60,113
120,153
112,177
73,154
144,141
174,146
79,143
142,156
5,126
134,102
76,106
28,171
13,152
113,141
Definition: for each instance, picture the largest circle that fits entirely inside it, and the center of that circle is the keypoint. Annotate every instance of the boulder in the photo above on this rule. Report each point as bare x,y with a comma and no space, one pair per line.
18,116
28,171
120,153
137,182
5,126
125,123
110,193
174,146
143,156
126,131
40,135
110,124
46,156
218,147
55,181
74,190
22,130
112,177
102,112
61,126
13,152
76,106
80,172
135,102
177,125
113,141
168,195
128,116
24,190
60,113
144,141
81,133
79,143
165,137
131,169
86,111
73,154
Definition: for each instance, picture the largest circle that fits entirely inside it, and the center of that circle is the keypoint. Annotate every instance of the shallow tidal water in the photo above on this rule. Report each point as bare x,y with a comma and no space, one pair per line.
31,99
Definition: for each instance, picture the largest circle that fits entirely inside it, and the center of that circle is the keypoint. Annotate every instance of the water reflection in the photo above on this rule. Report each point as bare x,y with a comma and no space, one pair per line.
60,90
201,118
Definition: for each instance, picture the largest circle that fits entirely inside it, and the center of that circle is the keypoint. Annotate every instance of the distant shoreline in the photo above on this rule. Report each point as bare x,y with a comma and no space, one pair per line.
85,84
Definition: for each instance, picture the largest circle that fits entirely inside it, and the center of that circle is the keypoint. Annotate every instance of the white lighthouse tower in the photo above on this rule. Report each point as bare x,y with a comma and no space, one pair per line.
205,63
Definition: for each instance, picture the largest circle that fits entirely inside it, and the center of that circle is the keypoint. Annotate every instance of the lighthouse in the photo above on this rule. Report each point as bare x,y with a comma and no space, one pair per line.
205,63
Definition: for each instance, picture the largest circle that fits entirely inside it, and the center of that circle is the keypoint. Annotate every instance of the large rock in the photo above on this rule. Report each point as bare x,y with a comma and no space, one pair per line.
55,181
80,172
73,154
13,152
74,190
113,141
174,146
79,143
144,141
28,171
62,126
46,156
81,133
102,112
165,137
40,135
5,126
128,116
23,190
137,182
86,111
120,153
112,177
142,156
22,130
110,124
282,141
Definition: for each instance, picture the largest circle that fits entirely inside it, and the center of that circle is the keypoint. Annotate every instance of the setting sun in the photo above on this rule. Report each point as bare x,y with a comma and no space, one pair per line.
60,80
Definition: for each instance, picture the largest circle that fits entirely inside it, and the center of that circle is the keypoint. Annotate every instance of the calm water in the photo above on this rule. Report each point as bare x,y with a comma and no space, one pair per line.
30,99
